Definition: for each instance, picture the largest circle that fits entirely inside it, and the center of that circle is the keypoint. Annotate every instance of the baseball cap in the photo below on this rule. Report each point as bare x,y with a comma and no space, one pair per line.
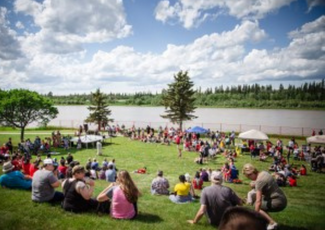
216,177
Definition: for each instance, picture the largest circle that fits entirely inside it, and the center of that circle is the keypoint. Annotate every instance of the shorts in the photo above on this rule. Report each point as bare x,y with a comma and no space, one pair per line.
274,205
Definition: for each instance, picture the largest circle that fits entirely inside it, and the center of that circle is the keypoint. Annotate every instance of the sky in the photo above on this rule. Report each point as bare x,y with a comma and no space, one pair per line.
128,46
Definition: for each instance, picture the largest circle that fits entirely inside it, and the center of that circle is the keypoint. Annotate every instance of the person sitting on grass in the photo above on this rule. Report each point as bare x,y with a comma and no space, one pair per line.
215,200
181,192
34,167
14,179
269,197
44,183
197,181
160,185
303,170
62,169
78,191
123,196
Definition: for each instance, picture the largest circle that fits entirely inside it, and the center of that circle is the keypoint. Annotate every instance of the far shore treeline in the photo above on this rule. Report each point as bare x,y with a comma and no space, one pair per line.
307,96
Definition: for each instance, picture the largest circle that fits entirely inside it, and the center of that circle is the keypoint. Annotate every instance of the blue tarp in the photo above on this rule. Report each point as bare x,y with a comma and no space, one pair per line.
197,129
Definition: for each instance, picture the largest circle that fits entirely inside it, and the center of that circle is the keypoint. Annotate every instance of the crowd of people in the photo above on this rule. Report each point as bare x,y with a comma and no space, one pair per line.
217,201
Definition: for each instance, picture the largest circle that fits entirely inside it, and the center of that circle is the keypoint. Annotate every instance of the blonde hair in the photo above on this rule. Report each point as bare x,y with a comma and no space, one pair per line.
128,187
249,169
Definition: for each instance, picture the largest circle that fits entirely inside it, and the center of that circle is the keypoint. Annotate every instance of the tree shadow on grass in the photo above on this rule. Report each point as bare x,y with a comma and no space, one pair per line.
286,227
148,218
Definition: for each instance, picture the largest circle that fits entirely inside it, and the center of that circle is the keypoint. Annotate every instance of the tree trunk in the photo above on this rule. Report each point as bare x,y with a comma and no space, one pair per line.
181,125
99,125
22,132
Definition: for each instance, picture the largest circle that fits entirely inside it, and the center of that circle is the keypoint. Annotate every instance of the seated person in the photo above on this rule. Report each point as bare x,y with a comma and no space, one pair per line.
123,196
197,181
62,169
78,191
181,192
292,181
110,173
160,185
303,170
14,179
44,183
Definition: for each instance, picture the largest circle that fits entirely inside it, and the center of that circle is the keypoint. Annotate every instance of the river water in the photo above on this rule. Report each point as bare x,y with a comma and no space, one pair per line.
269,120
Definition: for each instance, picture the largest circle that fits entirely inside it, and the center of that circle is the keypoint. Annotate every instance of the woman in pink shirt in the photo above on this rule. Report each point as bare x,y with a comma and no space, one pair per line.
123,196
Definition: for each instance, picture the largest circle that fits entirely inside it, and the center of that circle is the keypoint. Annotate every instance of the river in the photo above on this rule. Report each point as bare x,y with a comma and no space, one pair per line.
269,120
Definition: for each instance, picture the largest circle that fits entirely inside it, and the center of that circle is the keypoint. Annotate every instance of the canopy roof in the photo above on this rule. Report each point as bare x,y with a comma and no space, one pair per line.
197,129
87,139
319,139
253,135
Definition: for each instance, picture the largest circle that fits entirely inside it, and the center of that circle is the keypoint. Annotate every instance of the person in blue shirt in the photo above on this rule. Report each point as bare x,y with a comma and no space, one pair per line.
14,179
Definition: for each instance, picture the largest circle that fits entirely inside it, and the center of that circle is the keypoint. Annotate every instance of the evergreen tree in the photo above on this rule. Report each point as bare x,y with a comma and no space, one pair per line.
179,100
99,111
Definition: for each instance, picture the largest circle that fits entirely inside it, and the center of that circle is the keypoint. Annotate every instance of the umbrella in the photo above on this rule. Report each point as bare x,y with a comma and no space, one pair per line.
319,139
253,135
197,129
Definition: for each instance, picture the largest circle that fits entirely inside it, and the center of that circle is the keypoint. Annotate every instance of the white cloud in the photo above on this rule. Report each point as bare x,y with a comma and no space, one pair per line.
313,3
65,25
190,13
20,25
9,46
221,57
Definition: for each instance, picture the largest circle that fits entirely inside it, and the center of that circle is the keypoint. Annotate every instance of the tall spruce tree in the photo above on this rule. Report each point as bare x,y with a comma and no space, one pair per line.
99,111
179,99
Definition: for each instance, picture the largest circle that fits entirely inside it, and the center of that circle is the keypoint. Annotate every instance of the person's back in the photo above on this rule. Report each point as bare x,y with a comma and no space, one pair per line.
41,187
217,199
121,207
110,174
160,186
73,201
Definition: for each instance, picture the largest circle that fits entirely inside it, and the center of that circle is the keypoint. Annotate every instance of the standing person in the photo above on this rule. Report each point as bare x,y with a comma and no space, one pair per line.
99,148
9,145
160,185
215,199
179,147
44,183
69,158
123,196
269,197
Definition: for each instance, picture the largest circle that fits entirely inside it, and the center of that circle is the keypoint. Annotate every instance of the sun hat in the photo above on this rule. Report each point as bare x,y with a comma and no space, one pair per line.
216,177
48,162
7,167
249,169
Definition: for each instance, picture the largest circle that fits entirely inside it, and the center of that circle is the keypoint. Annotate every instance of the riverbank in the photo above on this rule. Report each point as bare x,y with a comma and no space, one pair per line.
207,106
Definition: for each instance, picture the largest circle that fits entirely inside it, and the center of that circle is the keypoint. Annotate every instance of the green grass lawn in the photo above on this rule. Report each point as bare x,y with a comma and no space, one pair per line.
305,210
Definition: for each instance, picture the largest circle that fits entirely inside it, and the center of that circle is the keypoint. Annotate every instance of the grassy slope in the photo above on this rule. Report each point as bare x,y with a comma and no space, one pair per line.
306,207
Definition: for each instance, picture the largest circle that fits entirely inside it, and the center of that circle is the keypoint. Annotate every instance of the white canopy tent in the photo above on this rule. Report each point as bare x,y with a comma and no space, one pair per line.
253,135
319,139
89,139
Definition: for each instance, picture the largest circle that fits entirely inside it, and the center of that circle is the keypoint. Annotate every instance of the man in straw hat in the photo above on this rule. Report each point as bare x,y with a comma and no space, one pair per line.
14,179
215,199
269,197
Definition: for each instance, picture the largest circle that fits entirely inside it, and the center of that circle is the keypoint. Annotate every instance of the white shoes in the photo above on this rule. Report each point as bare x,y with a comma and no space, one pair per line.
272,226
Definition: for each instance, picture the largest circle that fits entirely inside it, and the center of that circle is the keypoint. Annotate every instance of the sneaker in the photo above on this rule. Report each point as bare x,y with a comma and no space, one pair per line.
272,226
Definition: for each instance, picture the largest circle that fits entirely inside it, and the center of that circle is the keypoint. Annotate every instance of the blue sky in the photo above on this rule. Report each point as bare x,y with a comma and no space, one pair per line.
68,46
